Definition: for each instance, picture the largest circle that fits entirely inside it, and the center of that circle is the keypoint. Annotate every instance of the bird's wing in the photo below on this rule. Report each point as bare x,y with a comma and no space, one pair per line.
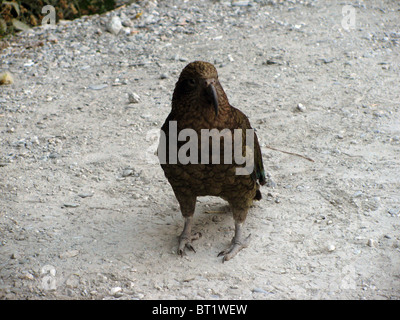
241,121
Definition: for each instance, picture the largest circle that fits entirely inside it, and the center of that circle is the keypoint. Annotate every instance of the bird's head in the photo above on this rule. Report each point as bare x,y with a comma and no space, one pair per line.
199,80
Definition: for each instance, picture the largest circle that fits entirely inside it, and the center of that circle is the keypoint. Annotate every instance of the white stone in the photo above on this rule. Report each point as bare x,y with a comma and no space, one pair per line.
114,25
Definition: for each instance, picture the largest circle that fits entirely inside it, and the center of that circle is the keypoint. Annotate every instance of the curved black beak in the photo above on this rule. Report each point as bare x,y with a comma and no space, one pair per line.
213,96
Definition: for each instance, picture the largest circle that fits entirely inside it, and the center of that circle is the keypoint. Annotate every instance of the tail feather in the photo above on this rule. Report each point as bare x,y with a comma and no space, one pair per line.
258,195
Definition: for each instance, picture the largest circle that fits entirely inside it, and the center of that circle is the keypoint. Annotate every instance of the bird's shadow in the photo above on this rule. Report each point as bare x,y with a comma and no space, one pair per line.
212,218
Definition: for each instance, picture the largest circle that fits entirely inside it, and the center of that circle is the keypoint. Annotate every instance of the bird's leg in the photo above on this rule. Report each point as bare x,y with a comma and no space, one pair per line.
237,244
186,237
187,204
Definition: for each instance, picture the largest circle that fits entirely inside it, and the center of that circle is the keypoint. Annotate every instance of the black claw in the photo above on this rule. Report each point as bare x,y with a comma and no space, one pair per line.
184,242
190,247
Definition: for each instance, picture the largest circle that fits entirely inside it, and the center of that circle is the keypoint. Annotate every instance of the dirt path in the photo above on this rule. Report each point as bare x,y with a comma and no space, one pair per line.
86,212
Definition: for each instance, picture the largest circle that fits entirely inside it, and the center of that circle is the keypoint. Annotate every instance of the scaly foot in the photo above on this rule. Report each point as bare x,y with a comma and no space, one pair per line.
234,248
237,244
185,241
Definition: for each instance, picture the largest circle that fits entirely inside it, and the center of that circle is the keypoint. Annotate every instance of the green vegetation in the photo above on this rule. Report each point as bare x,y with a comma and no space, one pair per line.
18,15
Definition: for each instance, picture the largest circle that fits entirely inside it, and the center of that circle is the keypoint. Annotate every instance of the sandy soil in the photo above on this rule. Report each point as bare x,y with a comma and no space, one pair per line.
86,212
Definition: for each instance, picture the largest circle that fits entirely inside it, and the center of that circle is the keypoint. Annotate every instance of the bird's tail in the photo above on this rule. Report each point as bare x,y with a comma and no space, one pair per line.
258,195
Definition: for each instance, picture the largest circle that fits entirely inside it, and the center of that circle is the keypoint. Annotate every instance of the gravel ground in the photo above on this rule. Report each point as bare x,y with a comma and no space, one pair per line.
86,212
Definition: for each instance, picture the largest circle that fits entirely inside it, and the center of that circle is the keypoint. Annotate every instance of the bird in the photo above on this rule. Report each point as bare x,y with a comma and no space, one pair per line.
200,104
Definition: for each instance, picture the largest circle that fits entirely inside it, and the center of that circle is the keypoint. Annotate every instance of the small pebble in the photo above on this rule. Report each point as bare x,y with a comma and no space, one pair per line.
85,195
27,276
35,140
241,4
127,23
116,292
29,63
163,76
70,292
15,255
73,281
69,254
6,78
71,205
372,243
259,290
270,62
216,219
326,61
98,86
127,172
301,107
133,97
114,25
357,194
394,212
331,248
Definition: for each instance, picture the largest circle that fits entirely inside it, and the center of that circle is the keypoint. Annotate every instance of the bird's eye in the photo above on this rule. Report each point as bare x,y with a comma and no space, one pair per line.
191,82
